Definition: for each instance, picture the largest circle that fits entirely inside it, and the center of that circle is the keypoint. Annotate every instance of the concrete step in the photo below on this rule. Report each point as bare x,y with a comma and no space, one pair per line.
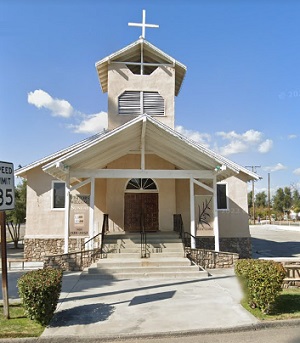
142,270
135,249
124,258
169,275
145,262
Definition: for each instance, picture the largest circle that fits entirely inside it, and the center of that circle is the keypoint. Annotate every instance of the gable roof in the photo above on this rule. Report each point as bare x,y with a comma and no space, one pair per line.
132,53
101,149
23,170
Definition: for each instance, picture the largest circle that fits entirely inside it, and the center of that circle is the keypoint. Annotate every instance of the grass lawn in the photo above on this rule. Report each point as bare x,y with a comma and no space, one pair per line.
18,325
287,306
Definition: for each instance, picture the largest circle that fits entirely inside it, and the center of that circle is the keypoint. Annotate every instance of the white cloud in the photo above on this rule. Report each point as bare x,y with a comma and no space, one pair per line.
250,136
265,146
292,136
88,123
239,143
277,167
92,123
250,140
297,171
58,107
196,136
233,147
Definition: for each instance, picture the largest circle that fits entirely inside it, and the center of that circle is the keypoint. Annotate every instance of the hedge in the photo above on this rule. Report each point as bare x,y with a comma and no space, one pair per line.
40,291
261,281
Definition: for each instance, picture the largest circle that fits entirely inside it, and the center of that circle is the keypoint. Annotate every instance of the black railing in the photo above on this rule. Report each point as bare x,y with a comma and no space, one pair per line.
104,229
186,240
144,247
178,224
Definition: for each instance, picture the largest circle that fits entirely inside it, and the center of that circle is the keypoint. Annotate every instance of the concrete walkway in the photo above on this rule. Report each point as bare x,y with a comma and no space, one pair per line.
95,307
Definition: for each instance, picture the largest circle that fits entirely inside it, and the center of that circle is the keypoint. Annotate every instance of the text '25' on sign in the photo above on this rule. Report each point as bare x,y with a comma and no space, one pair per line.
7,187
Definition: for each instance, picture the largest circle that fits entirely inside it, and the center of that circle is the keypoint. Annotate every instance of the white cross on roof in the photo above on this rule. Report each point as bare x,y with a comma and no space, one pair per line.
143,25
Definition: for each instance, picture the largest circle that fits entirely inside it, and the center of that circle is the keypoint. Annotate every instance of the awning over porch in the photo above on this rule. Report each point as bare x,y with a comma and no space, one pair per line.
144,135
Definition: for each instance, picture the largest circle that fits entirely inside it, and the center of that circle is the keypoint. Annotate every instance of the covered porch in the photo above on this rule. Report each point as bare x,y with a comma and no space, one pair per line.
142,149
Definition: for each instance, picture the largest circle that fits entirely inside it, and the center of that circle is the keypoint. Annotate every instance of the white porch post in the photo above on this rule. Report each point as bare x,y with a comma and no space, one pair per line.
67,213
92,205
216,216
192,214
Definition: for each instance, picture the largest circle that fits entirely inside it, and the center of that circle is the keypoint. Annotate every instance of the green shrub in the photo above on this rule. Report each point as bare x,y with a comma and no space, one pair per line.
261,281
40,290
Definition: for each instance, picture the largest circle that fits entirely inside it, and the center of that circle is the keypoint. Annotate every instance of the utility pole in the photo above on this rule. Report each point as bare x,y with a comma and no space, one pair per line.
253,169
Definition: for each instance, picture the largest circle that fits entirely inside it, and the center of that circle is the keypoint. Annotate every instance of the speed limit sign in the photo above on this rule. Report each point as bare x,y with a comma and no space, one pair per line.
7,186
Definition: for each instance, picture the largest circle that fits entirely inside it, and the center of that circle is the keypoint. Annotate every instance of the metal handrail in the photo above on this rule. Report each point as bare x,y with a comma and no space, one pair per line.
144,250
104,229
178,224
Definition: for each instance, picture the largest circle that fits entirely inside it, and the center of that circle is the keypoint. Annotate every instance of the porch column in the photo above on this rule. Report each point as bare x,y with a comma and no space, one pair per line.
92,206
216,216
192,214
67,213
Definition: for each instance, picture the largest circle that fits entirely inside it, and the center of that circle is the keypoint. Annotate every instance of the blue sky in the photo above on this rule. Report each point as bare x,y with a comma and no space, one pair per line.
240,96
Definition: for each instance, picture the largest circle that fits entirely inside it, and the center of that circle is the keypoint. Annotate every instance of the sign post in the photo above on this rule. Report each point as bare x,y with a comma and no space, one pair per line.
7,202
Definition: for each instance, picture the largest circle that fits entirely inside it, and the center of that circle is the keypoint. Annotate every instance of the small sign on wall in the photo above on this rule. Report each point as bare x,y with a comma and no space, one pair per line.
79,215
204,215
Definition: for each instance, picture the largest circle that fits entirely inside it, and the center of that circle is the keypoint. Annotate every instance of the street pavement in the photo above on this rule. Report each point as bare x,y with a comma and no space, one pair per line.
275,241
92,308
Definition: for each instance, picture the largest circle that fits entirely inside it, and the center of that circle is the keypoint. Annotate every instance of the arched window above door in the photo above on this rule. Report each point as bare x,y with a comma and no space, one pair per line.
141,184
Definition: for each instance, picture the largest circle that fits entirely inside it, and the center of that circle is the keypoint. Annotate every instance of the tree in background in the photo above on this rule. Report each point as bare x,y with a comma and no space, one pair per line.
250,203
278,200
261,199
284,200
16,217
261,205
287,203
296,201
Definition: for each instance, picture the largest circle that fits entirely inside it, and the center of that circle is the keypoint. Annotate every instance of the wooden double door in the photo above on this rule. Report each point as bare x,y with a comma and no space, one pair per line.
141,209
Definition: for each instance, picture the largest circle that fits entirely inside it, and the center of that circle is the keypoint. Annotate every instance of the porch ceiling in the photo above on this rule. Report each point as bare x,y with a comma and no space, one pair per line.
158,139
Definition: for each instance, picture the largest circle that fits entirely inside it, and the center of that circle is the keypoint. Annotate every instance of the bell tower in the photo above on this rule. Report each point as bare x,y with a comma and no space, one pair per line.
140,78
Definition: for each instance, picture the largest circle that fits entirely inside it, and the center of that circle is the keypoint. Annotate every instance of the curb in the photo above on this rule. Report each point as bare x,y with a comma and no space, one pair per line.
123,337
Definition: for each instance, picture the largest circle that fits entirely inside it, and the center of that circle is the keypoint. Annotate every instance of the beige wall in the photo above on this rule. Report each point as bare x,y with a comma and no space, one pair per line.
121,79
41,220
232,222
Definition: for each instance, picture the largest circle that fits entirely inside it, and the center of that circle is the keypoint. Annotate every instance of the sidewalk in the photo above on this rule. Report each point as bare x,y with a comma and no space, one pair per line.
91,308
95,307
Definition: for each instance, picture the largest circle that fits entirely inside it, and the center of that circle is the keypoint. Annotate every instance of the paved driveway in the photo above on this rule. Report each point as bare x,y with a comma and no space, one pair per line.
275,241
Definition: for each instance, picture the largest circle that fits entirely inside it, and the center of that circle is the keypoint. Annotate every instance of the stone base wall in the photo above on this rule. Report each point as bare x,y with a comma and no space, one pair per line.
35,249
212,259
72,261
238,245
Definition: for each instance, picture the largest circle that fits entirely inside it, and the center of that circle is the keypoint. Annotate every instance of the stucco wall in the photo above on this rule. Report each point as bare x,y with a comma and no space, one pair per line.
233,222
121,79
41,220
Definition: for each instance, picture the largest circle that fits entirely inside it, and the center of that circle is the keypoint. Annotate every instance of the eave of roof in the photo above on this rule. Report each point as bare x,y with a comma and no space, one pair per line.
195,152
21,172
102,65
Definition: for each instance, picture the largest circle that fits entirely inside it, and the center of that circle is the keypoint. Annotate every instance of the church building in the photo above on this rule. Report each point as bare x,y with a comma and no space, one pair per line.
140,172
